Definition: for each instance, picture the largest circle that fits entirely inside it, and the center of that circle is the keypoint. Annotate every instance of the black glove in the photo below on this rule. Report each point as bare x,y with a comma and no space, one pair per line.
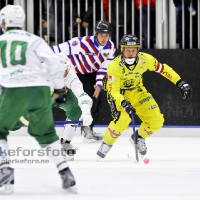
59,96
61,99
128,107
185,89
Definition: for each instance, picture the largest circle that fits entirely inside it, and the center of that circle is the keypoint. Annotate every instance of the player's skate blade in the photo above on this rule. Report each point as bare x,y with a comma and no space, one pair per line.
7,189
133,158
85,140
99,158
70,158
72,189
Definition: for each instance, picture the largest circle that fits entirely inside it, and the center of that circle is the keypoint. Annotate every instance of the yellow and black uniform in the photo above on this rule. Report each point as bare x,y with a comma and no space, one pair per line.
125,82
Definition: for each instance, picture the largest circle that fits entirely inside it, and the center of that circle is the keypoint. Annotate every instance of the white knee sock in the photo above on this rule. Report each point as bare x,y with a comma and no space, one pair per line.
69,131
57,155
4,155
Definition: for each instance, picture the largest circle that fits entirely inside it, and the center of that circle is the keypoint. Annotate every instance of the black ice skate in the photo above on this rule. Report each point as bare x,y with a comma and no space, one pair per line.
89,135
70,149
142,149
68,181
6,180
103,150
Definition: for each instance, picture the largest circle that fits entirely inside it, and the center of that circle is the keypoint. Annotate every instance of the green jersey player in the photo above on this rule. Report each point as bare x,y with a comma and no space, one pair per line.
25,89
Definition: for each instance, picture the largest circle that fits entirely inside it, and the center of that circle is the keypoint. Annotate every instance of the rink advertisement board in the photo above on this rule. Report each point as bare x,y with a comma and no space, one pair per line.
176,110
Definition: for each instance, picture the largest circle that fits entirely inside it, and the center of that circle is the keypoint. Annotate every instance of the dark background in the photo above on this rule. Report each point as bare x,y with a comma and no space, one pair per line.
186,62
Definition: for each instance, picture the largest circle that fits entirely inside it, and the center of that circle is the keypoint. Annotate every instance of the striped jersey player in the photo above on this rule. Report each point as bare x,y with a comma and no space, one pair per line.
90,57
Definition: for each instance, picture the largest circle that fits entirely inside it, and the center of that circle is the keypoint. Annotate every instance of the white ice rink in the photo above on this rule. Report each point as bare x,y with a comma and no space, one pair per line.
172,174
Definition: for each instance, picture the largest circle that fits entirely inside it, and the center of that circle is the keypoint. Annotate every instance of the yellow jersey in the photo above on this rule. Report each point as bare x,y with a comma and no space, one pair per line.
121,77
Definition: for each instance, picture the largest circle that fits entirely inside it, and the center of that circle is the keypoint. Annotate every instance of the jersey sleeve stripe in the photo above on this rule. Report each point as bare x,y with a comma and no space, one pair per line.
87,66
94,62
84,47
59,48
94,49
91,58
53,49
81,65
104,68
72,60
70,50
159,68
56,49
96,65
110,59
91,45
101,73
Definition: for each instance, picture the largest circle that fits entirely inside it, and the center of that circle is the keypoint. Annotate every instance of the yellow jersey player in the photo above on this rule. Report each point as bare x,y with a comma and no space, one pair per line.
127,94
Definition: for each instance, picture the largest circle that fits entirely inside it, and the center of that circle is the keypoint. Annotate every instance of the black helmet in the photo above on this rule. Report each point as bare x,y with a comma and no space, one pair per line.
103,27
129,41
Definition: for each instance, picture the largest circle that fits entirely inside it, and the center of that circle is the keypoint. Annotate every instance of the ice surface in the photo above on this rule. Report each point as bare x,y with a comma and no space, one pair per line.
172,174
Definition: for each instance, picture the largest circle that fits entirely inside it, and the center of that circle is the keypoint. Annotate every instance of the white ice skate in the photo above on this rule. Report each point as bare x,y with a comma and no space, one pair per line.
142,149
70,149
89,136
103,150
68,181
6,180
